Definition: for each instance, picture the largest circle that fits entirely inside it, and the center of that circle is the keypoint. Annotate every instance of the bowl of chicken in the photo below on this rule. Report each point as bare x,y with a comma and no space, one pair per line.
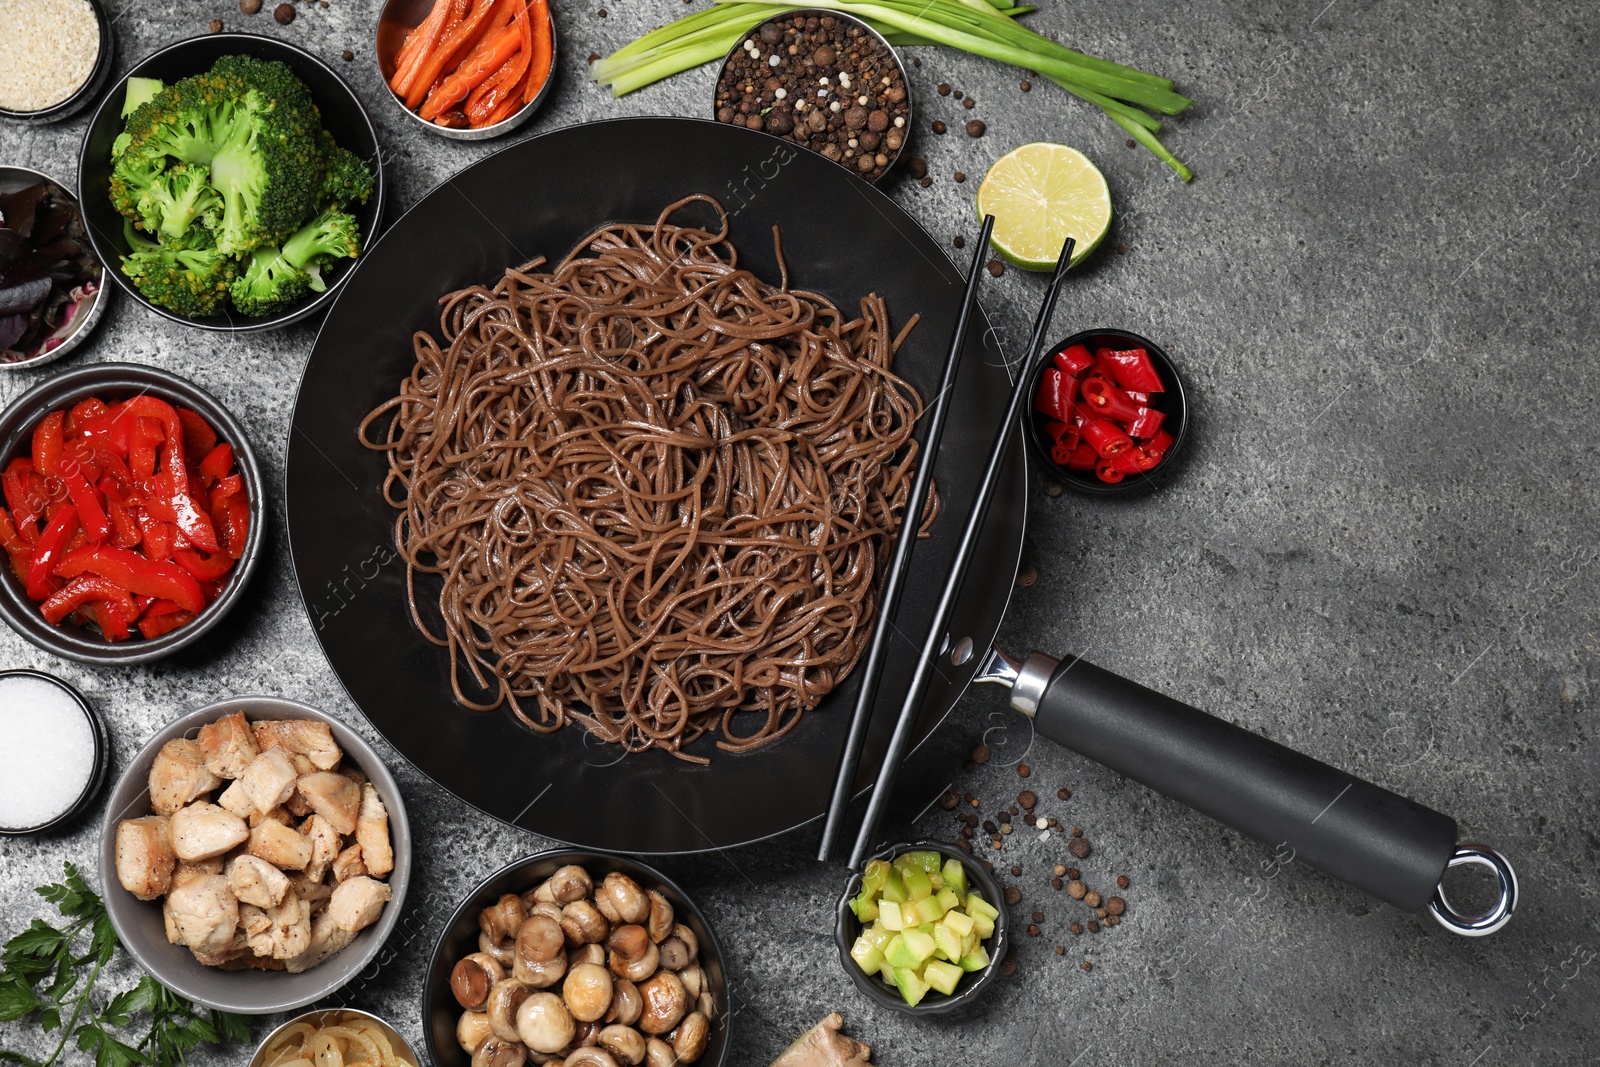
255,855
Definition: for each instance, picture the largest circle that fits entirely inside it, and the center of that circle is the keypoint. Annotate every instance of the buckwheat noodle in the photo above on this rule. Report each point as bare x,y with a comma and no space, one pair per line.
658,492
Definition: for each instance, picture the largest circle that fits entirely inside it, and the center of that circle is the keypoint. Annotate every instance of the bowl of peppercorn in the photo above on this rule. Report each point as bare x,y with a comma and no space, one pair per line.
824,81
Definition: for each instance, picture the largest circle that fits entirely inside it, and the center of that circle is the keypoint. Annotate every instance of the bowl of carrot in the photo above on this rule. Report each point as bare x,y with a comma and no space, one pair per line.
467,69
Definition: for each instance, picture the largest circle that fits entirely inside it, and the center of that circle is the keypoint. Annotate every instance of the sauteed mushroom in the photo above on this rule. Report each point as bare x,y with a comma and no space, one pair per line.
540,938
539,974
587,992
659,920
472,1030
568,884
686,935
593,1056
620,899
505,998
675,954
544,1024
623,1042
586,954
473,977
665,1002
626,1003
497,1053
583,923
633,955
501,951
694,980
502,919
657,1053
689,1043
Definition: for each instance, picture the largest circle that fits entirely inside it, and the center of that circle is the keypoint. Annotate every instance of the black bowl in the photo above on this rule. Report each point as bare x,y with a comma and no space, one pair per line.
342,114
116,381
97,775
440,1011
1174,403
847,928
85,92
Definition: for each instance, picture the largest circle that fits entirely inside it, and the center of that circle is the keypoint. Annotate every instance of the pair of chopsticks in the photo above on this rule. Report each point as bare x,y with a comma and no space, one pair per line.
894,583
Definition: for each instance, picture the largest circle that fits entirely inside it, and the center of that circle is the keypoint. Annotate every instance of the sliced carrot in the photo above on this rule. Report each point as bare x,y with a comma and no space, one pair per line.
425,36
539,58
456,30
486,28
504,84
484,61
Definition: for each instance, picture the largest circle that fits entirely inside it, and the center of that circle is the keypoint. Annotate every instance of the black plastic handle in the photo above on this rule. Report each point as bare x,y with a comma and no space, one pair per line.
1376,840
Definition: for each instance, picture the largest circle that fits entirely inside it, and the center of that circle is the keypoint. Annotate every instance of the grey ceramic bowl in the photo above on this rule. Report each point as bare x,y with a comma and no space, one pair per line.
139,924
116,381
91,312
847,928
400,17
91,87
331,1016
440,1012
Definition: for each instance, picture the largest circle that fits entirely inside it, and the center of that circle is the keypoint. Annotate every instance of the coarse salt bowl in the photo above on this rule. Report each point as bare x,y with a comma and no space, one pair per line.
25,60
53,753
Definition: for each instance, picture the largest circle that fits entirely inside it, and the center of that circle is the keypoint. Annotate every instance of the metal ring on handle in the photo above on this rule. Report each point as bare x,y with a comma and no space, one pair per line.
1496,917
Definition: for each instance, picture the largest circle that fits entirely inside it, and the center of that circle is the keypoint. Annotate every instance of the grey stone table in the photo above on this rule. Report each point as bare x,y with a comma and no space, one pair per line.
1380,547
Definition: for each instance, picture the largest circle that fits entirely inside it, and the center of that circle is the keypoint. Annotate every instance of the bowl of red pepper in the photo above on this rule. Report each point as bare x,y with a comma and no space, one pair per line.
132,513
1109,412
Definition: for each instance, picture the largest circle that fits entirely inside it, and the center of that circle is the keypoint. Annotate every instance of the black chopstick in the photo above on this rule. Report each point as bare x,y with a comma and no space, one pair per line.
969,542
872,669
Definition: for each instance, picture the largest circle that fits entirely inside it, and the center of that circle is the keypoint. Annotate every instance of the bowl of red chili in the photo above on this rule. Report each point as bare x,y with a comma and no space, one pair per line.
132,513
1109,412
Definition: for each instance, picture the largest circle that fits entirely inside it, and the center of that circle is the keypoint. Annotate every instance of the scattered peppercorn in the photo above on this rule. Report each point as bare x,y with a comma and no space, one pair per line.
957,94
1033,930
1023,769
216,26
1027,798
917,167
1015,870
1013,809
1116,905
1077,831
594,57
1086,965
996,267
1076,889
347,55
967,766
1101,913
1077,929
959,241
916,61
974,802
1005,828
988,866
1092,899
949,800
1122,250
1113,920
989,827
1063,793
601,12
939,126
1051,821
998,841
980,754
1026,86
1053,487
1008,966
969,103
1013,895
1059,870
249,7
925,182
944,88
1094,927
975,128
1130,142
1073,872
1079,848
964,845
1038,916
283,14
1122,881
1055,883
959,176
1061,950
1027,575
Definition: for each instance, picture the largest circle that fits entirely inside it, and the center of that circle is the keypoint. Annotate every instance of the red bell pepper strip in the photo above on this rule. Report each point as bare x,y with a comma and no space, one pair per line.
218,462
1056,391
27,507
1145,424
81,590
156,536
205,568
1108,401
18,550
231,514
1132,369
91,514
1083,458
191,519
1074,359
49,551
1159,444
135,574
1107,473
48,439
82,412
153,626
1105,437
124,528
143,442
198,436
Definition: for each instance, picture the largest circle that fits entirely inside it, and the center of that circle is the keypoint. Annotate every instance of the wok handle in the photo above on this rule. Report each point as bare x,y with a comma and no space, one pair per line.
1376,840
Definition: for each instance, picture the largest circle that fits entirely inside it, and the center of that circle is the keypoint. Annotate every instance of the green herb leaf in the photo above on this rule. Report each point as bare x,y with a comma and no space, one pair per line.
234,1028
39,941
72,895
16,1000
7,1056
104,943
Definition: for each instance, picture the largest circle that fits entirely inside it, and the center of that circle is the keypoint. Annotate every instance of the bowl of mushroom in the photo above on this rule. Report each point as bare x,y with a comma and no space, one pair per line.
262,853
577,958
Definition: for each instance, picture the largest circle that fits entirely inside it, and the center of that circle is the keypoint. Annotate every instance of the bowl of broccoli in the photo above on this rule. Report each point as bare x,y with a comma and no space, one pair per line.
231,182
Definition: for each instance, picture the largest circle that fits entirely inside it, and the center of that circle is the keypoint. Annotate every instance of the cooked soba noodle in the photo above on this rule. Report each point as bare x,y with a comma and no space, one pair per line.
658,492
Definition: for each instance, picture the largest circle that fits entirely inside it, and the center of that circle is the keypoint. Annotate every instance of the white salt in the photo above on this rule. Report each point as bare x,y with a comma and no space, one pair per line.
46,751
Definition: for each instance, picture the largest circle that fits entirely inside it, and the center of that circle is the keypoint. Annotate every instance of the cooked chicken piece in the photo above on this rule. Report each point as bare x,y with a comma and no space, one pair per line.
313,892
188,872
236,949
372,833
282,932
325,845
169,921
145,860
229,745
356,904
277,814
349,864
269,779
326,939
236,800
248,961
203,830
205,914
280,845
296,804
178,775
257,882
354,774
305,737
334,797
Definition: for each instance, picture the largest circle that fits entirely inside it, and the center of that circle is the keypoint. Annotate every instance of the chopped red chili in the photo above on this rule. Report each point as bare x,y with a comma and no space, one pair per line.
1096,412
1074,360
1132,369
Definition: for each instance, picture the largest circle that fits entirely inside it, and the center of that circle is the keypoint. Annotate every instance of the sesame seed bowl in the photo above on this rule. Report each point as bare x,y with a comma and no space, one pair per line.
45,22
822,80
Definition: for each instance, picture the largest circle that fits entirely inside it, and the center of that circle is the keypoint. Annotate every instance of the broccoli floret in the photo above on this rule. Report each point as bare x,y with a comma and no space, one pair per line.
331,235
347,175
269,284
176,200
140,91
186,280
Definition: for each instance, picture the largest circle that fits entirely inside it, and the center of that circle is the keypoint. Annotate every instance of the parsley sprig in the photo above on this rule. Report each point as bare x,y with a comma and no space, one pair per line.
42,976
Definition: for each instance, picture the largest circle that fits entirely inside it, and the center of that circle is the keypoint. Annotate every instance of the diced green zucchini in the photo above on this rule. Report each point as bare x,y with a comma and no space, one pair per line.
977,906
954,874
926,910
889,915
948,940
874,877
941,976
948,900
877,934
976,960
869,957
894,887
958,921
924,860
982,926
918,884
912,948
912,987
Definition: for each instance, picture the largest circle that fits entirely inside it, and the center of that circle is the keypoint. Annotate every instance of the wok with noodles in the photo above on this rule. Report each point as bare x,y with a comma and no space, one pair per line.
654,492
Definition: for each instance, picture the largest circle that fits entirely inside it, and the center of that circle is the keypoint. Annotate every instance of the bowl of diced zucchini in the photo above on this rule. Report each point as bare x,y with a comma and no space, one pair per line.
921,927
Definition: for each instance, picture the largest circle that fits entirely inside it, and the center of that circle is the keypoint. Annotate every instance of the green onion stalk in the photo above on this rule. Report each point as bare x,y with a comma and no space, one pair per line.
981,27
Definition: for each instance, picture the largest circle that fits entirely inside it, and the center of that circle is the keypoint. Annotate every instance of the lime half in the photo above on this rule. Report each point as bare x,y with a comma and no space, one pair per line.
1039,195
